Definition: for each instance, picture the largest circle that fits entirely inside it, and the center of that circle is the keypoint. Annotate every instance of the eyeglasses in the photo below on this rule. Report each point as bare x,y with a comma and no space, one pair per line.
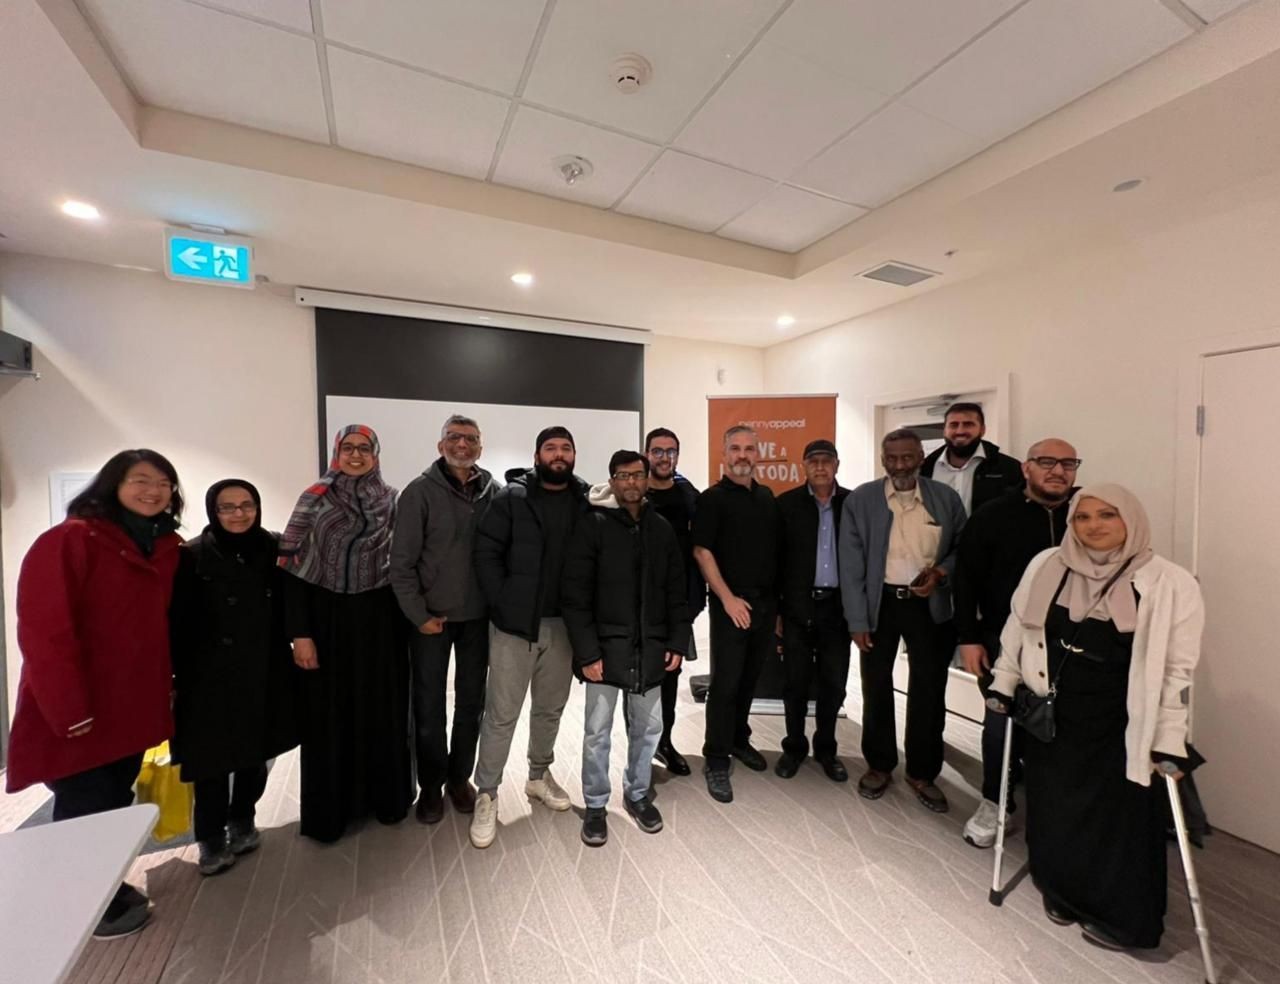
664,452
160,485
634,476
360,449
231,508
1048,464
471,440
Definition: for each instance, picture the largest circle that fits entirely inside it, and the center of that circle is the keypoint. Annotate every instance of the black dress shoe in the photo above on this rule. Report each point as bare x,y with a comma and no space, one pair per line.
674,762
430,808
788,765
1056,915
873,784
834,769
751,758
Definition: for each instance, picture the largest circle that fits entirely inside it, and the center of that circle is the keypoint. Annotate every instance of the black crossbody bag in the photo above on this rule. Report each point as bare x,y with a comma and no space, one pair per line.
1033,712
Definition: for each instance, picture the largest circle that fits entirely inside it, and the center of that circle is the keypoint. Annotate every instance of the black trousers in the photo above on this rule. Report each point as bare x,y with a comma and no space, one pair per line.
737,656
452,762
993,738
670,694
225,799
929,648
107,787
815,651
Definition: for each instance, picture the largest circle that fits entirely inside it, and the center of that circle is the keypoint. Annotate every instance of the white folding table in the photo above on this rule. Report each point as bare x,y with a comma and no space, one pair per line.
58,879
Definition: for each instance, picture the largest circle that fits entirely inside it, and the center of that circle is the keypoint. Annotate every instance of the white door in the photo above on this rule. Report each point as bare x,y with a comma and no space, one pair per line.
1236,698
924,416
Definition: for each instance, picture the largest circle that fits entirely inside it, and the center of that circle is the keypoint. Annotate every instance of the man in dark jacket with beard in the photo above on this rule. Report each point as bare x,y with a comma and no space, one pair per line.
519,554
624,602
997,544
975,468
436,587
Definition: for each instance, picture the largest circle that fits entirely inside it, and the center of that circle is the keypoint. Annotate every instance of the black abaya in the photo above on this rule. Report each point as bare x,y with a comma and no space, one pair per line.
354,708
1096,840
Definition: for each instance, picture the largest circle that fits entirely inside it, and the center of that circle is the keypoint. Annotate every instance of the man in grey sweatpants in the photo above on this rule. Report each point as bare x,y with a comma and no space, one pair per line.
519,552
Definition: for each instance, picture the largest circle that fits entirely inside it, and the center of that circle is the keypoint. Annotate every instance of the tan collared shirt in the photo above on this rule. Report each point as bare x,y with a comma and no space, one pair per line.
913,537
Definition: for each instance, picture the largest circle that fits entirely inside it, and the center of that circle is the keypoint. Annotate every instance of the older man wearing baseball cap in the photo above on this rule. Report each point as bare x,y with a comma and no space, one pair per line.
815,638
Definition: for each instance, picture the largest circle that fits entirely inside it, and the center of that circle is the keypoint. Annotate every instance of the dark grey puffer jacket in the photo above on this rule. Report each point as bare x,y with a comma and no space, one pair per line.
431,569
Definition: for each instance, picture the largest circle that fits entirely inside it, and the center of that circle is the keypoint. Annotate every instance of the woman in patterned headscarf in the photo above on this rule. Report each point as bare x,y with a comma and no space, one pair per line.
349,635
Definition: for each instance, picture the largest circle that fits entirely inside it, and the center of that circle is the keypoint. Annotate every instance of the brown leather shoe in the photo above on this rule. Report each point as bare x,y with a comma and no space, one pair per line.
430,808
929,794
463,796
873,784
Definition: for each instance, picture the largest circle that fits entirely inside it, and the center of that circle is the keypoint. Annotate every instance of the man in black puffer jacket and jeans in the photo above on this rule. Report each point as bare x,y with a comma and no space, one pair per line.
625,606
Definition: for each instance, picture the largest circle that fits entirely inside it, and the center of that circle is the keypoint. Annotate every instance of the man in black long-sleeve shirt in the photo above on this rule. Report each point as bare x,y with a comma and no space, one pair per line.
997,544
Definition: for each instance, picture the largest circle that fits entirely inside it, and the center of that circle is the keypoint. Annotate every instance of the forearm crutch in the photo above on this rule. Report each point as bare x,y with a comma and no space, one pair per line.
1188,867
996,896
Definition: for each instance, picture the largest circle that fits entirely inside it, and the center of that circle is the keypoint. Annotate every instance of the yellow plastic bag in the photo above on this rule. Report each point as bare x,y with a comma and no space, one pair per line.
159,783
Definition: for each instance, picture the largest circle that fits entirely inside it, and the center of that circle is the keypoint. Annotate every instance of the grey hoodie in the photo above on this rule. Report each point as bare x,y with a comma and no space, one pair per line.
431,570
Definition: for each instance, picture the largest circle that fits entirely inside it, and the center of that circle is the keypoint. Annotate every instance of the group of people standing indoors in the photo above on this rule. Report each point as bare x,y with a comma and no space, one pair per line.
337,635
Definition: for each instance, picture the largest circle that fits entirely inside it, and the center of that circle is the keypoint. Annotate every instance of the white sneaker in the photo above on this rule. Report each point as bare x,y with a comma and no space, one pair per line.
980,829
548,792
484,822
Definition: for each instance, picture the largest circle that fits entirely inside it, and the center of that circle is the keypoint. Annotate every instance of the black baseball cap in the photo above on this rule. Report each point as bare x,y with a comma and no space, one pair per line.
820,446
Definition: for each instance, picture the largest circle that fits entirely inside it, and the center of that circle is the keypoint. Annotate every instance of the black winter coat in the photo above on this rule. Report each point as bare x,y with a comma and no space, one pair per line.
507,555
993,476
233,668
798,548
624,596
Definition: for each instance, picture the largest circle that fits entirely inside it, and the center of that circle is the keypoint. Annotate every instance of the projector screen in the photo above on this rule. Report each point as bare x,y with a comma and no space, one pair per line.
409,430
404,376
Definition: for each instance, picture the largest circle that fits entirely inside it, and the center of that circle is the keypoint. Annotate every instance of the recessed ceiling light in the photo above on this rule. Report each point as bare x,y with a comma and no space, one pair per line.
80,210
522,279
785,321
483,317
1128,185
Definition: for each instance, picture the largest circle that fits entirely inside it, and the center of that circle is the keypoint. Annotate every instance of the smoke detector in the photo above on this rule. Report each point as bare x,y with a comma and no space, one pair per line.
573,168
630,72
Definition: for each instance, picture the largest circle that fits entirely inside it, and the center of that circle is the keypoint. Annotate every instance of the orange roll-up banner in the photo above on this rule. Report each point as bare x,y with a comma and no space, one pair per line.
783,425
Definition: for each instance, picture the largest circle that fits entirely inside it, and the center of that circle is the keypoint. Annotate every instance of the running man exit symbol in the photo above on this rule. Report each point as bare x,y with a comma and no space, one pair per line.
208,259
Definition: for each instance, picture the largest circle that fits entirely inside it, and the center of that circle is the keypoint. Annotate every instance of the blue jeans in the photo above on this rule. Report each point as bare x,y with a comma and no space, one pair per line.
643,716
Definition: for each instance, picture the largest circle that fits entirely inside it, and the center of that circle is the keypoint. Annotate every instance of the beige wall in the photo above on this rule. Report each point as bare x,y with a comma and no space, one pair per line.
1093,344
679,375
222,382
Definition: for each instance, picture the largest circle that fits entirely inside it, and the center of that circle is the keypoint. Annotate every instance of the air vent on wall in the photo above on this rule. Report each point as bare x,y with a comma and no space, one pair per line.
902,274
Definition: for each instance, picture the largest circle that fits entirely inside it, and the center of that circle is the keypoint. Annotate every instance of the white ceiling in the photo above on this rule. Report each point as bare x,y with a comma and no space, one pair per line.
773,122
1197,121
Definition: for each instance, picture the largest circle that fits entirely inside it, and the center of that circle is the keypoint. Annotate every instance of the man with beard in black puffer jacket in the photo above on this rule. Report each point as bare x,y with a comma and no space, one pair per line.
624,598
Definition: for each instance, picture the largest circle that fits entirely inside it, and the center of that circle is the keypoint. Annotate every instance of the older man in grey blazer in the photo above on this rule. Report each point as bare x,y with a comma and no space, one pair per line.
897,555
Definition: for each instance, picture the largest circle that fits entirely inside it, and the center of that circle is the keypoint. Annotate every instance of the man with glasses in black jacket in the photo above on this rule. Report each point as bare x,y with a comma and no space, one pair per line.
995,548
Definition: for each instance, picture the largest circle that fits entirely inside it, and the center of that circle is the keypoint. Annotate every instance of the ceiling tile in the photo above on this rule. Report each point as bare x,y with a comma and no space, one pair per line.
176,55
884,46
395,112
1042,57
1211,10
790,219
291,13
892,152
775,112
537,138
484,42
689,45
693,193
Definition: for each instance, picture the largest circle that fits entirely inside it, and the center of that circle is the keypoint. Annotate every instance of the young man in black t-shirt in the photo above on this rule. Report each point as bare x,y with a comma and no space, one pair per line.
675,499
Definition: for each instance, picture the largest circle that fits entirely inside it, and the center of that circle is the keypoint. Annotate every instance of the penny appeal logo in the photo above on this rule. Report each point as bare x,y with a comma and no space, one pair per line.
760,425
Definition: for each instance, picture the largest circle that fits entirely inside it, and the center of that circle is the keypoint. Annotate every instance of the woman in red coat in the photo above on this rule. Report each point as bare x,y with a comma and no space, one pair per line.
93,629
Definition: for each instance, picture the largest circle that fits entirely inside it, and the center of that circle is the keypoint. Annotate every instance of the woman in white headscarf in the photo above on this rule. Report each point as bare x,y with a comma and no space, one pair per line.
1114,631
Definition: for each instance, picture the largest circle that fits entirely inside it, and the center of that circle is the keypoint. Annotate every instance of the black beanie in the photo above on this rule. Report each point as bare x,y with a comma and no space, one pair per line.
547,433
